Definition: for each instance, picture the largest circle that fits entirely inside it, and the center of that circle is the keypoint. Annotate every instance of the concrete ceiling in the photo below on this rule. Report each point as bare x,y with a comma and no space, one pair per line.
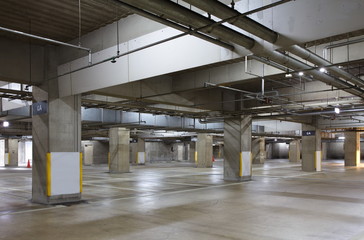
58,20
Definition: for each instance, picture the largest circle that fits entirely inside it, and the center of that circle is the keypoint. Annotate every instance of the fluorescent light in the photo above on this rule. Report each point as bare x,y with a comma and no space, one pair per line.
5,124
323,70
100,138
300,73
341,138
337,110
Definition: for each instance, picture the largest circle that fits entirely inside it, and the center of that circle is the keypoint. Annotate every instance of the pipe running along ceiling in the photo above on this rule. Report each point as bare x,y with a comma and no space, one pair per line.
337,78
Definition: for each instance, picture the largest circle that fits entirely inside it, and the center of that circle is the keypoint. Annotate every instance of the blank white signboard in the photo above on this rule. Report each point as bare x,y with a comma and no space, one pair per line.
246,163
141,157
65,173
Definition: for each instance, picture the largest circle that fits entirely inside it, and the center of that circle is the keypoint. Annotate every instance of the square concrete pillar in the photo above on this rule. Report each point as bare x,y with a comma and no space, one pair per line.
119,150
352,148
258,150
192,151
324,150
141,154
237,149
204,150
311,148
294,151
88,154
57,128
11,148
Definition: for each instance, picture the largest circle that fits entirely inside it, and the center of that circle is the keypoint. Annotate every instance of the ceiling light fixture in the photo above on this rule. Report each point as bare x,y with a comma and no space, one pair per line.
288,75
300,73
323,70
337,110
5,124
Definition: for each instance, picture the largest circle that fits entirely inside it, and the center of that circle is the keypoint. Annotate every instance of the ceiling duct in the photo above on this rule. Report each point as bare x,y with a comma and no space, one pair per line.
319,61
182,15
221,10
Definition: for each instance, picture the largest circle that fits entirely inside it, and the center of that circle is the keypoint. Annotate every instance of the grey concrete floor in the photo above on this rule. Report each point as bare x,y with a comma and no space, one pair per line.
177,201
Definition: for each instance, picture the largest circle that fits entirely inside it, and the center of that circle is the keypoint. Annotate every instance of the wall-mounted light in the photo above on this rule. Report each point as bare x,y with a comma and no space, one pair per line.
337,110
5,124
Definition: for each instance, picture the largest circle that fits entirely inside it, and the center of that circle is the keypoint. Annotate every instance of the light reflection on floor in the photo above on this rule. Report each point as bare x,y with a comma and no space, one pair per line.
178,201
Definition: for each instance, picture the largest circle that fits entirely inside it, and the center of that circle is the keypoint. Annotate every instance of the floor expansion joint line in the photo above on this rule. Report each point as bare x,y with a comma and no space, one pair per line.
33,210
177,192
15,189
120,188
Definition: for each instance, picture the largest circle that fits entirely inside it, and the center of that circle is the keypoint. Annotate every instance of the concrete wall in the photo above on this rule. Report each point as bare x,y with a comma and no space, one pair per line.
25,152
131,27
161,151
20,63
335,150
100,151
269,150
280,150
218,151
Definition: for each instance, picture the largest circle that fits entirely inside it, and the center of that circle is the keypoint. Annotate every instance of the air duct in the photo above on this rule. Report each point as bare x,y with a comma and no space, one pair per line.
182,15
319,61
221,10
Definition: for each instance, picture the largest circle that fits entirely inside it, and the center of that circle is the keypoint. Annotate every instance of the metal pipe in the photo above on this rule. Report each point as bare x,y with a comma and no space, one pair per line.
149,45
326,112
123,54
48,40
187,17
298,65
174,25
223,11
313,58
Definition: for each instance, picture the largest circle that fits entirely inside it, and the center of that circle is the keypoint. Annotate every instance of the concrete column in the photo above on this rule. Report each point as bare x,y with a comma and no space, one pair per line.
11,147
133,152
352,148
88,155
204,150
119,150
57,129
324,150
237,149
221,152
192,151
311,148
141,155
258,150
294,151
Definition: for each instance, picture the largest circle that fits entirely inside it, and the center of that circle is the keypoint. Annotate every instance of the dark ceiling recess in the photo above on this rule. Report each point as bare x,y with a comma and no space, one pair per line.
57,19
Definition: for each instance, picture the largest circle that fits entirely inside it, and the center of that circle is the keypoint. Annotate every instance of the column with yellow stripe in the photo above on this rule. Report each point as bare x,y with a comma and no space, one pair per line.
58,184
311,148
237,149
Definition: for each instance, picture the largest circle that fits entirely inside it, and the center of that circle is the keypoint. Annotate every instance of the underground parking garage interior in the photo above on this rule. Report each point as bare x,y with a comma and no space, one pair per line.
171,119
